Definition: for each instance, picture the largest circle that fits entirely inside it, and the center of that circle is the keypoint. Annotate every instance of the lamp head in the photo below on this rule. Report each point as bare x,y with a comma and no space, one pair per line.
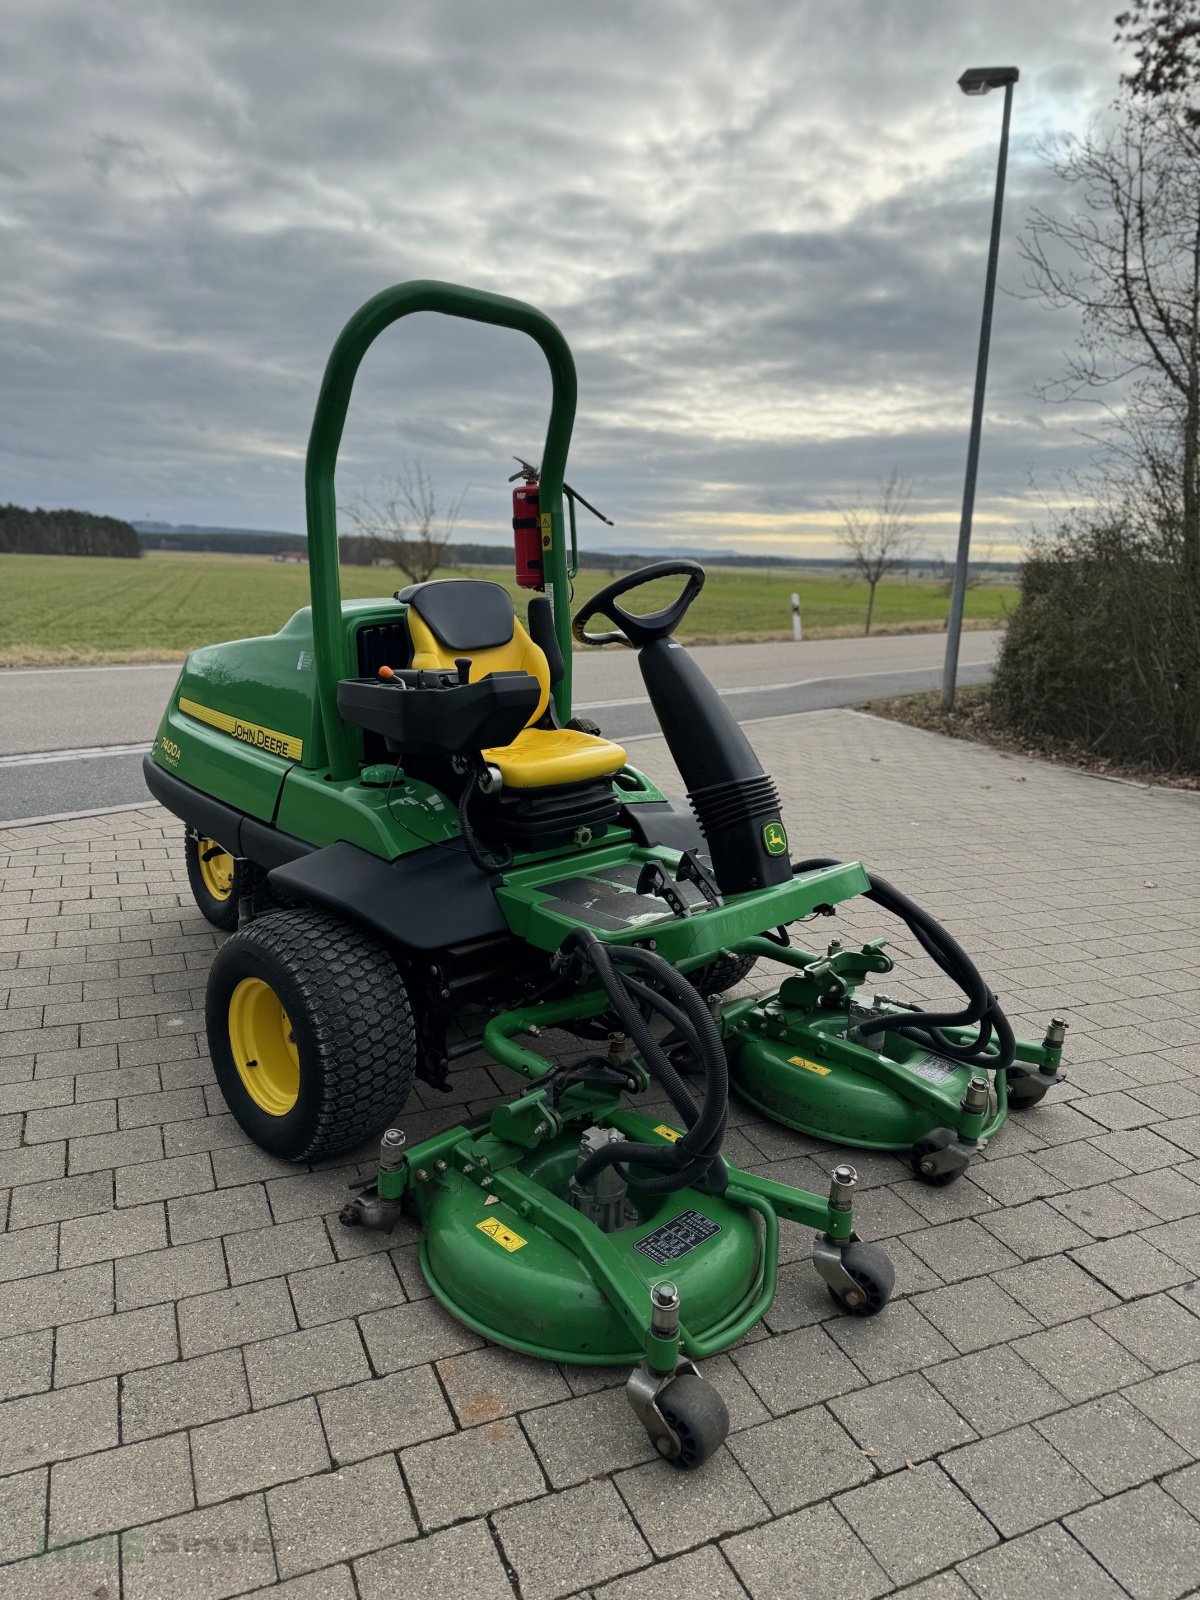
978,80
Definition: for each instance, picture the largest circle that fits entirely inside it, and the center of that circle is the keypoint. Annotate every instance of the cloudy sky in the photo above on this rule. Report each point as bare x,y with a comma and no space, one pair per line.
762,228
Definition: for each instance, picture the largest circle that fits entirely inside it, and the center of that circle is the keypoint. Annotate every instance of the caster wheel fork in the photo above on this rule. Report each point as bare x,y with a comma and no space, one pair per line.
860,1277
686,1418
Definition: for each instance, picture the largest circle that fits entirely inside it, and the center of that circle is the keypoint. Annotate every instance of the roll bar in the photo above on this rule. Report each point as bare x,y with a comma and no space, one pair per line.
329,420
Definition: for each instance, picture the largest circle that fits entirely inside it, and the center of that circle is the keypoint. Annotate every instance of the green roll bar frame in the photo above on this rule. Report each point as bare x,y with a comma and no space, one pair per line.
332,644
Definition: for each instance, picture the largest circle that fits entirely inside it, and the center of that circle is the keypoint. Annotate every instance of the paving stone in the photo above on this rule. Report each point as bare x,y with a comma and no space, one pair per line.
80,1572
272,1252
163,1180
946,1586
720,1500
70,1121
1112,1443
167,1274
183,1394
797,1369
53,1298
1130,1266
303,1363
38,1203
490,1383
1012,1180
235,1316
345,1289
1045,1562
207,1555
310,1194
1080,1360
604,1544
53,1426
914,1523
1145,1539
1185,1486
409,1335
381,1414
809,1555
904,1419
1173,1401
962,1249
26,1361
106,1492
110,1234
975,1314
258,1450
1140,1150
1158,1330
470,1473
1018,1481
123,1342
1104,1211
1179,1240
885,1347
1085,1163
800,1458
338,1515
22,1515
1034,1230
34,1163
1165,1192
107,1150
28,1252
462,1560
582,1438
995,1389
221,1211
330,1583
1055,1289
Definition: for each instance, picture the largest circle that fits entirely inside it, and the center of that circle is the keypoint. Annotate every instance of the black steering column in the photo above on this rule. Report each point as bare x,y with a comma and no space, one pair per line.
736,803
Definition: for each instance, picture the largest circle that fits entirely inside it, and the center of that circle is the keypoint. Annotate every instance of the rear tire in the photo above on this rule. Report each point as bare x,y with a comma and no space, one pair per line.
214,875
311,1034
722,974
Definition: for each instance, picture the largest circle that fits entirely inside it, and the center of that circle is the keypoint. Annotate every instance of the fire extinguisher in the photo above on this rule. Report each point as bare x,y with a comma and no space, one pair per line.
527,528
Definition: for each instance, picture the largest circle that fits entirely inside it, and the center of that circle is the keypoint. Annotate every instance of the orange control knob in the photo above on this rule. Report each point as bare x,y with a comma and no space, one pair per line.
385,673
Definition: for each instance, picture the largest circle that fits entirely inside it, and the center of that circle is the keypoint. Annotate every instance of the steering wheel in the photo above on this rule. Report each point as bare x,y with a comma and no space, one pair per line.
636,631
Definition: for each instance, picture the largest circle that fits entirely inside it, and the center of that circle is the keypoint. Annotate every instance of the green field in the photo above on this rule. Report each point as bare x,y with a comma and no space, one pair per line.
63,609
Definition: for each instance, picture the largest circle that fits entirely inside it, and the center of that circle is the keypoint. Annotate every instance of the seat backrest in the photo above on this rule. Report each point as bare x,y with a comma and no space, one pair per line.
453,617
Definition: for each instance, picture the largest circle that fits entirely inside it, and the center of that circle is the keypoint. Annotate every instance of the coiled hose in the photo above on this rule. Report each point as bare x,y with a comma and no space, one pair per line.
658,988
925,1027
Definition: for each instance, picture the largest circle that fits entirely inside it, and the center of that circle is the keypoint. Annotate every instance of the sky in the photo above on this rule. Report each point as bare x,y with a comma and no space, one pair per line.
762,229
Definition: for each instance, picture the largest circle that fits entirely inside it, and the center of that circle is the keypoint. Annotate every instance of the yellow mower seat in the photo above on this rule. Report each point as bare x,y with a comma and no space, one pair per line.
449,618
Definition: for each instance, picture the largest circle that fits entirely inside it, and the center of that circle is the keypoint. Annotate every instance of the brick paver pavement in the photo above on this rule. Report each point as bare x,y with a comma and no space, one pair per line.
208,1388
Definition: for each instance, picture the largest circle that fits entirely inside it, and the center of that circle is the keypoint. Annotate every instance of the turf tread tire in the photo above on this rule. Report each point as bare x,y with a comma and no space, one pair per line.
353,1025
723,973
223,914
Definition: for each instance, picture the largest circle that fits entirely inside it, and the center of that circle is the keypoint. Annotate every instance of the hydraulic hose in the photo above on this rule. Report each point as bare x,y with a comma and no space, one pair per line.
697,1155
925,1027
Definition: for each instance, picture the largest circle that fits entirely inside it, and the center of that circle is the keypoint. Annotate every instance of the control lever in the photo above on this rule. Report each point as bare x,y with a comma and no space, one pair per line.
463,663
653,879
693,870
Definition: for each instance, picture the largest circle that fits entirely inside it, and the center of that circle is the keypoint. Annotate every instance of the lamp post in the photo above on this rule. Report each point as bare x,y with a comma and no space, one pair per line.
977,80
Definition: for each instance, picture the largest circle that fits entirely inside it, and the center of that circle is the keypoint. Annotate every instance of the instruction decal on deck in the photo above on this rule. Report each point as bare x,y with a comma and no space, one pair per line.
677,1238
934,1069
809,1066
503,1236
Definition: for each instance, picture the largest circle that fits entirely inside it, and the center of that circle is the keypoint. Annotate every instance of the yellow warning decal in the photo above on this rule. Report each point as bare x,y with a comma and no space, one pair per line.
809,1066
275,744
495,1229
547,533
668,1133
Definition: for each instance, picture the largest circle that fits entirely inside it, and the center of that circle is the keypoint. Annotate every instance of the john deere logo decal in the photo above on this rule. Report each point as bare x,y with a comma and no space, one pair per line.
775,839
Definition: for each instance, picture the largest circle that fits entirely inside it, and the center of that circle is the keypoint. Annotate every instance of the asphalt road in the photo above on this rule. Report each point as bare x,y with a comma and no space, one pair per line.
72,738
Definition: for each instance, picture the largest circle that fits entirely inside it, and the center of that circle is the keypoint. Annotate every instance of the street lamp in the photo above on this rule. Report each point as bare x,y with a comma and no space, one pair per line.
977,80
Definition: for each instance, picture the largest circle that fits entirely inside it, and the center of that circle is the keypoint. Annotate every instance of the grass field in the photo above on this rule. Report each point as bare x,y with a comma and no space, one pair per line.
56,610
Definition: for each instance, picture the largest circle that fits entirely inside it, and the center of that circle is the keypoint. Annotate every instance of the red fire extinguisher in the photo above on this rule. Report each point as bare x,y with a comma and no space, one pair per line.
527,528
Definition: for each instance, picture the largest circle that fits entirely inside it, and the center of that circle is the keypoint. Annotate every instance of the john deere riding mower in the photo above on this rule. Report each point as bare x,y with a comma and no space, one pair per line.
392,804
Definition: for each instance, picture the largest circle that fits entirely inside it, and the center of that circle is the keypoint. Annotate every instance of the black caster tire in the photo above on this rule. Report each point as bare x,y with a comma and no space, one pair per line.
1026,1089
215,879
933,1144
723,974
698,1415
310,1032
871,1268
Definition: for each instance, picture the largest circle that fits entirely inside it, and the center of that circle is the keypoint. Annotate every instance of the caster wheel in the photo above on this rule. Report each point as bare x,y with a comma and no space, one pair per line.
1026,1088
932,1145
698,1415
871,1268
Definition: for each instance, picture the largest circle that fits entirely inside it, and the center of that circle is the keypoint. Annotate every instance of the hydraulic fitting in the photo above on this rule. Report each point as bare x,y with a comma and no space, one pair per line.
841,1188
975,1100
664,1310
391,1150
1056,1034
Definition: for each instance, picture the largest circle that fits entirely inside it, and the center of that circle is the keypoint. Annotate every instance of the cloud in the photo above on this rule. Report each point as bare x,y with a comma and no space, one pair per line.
762,230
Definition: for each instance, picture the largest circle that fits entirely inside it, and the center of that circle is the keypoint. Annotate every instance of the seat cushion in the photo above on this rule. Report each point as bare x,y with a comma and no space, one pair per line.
541,757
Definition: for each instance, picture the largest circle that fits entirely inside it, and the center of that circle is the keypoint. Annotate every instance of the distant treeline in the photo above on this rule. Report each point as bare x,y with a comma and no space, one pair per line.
65,533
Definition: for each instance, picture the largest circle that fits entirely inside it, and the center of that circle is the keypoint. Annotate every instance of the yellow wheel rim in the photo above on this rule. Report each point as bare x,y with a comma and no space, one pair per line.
264,1047
216,871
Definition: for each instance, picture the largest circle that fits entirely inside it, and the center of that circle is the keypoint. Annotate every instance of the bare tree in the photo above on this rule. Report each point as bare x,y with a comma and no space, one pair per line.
1166,39
879,538
979,571
404,523
1127,259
